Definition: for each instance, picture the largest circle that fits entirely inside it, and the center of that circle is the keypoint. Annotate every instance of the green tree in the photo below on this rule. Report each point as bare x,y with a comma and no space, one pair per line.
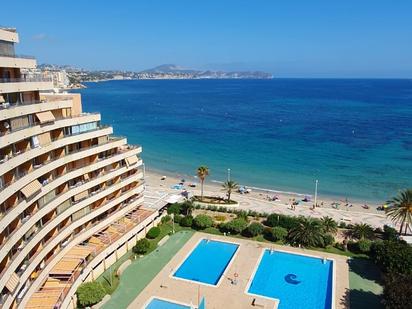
329,225
90,293
187,208
254,229
392,256
397,291
400,210
142,246
153,232
175,208
202,221
288,222
236,226
202,173
308,233
362,231
229,186
186,221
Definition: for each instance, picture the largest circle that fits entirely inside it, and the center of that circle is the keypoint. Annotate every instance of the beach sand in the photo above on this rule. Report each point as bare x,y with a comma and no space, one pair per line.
214,188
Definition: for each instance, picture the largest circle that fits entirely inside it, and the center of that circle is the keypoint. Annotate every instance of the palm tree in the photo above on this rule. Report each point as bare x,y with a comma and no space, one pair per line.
400,210
307,233
362,231
229,186
329,225
202,173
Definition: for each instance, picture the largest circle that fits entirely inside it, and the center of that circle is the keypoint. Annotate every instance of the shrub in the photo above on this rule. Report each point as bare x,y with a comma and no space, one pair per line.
242,214
186,208
389,233
220,218
364,245
236,226
202,221
254,229
186,221
90,293
178,218
397,291
342,225
288,222
166,219
392,256
153,232
328,240
142,246
278,233
175,208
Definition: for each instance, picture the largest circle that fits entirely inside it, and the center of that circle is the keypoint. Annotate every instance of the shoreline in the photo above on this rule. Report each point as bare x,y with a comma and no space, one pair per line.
286,198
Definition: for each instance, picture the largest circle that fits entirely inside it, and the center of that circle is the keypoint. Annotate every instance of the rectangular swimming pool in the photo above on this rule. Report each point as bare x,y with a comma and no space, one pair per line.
157,303
297,281
207,262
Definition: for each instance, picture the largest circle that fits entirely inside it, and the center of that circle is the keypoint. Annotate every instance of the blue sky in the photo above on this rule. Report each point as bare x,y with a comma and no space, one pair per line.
351,38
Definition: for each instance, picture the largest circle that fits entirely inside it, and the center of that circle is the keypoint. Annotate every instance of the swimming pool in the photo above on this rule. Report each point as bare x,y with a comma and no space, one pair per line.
207,262
297,281
157,303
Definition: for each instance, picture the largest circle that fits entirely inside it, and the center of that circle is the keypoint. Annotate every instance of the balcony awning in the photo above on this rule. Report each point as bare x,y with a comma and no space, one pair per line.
31,188
44,139
81,196
131,160
13,282
45,117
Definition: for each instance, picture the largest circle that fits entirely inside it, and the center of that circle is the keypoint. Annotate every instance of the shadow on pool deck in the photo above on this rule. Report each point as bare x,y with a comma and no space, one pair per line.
364,282
139,274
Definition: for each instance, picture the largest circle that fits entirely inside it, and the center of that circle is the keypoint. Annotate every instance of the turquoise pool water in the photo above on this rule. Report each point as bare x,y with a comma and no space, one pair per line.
297,281
157,303
207,262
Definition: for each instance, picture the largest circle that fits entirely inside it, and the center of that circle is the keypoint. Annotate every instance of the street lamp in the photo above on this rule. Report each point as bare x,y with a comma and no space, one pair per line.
316,192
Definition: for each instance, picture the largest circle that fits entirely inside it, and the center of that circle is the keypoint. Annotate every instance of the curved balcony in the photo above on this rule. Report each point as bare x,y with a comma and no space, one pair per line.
14,136
18,109
18,258
26,178
80,276
31,153
17,235
17,61
22,84
84,235
11,214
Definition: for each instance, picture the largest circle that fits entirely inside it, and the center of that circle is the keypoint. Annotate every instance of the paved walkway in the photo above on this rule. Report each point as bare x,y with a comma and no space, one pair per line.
228,295
139,274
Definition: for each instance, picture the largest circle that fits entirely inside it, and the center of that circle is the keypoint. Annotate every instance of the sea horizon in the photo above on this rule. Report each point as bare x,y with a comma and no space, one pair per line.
278,134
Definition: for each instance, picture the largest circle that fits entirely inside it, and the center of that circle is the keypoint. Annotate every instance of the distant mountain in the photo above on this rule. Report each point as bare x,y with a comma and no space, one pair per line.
168,68
172,71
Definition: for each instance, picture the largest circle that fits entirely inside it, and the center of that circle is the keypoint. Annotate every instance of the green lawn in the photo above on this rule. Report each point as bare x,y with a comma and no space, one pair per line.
365,288
139,274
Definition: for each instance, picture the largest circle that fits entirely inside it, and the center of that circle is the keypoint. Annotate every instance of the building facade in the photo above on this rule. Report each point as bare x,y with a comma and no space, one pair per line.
71,194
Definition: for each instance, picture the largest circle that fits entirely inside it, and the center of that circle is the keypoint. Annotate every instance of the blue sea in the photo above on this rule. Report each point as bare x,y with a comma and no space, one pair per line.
354,136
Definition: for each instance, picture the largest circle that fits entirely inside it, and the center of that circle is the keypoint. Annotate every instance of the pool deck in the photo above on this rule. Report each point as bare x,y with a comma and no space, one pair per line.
228,295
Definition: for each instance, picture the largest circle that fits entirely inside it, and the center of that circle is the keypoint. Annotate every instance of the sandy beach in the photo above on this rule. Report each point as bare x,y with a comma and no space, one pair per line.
348,211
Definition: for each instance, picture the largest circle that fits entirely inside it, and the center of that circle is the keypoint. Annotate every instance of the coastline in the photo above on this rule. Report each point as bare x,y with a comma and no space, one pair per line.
286,198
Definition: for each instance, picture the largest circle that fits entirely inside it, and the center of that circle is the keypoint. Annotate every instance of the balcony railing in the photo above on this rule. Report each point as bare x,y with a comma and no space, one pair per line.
37,123
69,170
26,79
76,273
31,259
5,159
22,174
8,105
18,56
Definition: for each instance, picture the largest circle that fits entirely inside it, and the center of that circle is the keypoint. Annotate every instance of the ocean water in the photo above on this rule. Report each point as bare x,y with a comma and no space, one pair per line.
354,136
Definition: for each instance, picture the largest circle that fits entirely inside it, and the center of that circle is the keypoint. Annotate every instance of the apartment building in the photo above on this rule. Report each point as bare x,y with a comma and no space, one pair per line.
71,193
